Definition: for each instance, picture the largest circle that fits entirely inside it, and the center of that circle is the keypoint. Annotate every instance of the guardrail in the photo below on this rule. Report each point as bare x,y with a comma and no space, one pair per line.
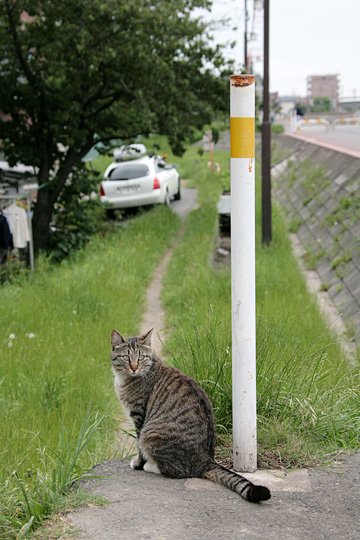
353,121
311,122
297,123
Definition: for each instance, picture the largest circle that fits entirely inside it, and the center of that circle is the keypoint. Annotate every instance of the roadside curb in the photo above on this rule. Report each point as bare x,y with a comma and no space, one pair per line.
328,146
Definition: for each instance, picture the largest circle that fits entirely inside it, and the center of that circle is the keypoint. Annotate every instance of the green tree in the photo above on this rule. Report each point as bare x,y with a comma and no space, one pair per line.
77,72
321,104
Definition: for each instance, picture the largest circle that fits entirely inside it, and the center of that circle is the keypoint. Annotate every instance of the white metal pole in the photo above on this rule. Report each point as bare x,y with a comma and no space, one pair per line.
292,120
31,244
242,170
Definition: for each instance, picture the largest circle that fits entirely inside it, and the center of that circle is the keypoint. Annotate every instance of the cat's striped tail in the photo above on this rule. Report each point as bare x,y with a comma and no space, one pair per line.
248,491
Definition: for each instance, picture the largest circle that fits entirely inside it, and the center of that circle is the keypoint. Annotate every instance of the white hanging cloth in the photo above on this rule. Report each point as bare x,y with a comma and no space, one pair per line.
18,223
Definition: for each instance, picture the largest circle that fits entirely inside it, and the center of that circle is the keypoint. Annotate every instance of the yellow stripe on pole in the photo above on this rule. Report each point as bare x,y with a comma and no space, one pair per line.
242,137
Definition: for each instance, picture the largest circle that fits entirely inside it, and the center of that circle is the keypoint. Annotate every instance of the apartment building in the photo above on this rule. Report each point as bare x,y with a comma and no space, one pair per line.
324,86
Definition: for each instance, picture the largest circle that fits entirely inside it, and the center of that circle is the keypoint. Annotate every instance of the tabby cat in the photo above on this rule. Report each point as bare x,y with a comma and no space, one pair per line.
173,418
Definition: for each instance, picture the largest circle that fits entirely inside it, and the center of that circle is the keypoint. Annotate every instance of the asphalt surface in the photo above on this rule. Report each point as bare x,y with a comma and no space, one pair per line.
319,504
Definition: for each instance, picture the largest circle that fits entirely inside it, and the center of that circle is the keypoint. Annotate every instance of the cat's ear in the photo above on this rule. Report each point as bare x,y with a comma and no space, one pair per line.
145,339
116,339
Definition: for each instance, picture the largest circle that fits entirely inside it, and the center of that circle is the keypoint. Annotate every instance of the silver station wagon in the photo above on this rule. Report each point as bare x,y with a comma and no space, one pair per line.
142,181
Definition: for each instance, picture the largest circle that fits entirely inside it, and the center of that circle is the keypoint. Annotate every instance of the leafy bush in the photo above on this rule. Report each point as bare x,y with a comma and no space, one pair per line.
78,214
277,128
11,270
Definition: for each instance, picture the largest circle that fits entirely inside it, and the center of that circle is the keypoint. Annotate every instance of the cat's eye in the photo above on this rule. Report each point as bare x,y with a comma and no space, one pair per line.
142,357
126,357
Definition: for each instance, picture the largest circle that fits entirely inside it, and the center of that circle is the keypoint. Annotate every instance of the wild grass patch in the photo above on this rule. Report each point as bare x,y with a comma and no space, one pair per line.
58,408
308,398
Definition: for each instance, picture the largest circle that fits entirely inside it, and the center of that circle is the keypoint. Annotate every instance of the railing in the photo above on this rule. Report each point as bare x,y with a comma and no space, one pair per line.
311,122
297,123
349,121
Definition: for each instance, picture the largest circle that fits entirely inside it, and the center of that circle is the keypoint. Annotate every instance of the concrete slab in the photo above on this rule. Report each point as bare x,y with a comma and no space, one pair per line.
319,504
278,480
275,480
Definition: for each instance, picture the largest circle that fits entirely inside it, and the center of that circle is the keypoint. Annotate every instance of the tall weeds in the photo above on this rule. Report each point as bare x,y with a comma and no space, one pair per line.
58,408
308,396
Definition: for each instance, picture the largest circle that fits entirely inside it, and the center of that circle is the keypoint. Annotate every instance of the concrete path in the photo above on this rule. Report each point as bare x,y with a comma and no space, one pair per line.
319,504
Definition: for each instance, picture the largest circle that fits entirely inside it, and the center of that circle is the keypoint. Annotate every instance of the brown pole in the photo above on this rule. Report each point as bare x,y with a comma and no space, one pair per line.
266,139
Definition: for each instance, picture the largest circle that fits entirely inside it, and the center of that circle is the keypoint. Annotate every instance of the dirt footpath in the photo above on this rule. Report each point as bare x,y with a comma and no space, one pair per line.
154,316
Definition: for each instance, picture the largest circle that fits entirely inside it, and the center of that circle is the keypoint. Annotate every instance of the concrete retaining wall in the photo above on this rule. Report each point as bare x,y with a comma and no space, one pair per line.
320,192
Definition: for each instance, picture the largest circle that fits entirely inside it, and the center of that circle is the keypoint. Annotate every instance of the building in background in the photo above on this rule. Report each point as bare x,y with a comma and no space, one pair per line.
324,86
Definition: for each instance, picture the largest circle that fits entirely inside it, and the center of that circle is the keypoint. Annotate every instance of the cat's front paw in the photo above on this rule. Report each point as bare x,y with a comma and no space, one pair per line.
137,463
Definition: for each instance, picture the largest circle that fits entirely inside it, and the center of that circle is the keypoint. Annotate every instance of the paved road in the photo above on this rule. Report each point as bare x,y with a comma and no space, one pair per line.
342,138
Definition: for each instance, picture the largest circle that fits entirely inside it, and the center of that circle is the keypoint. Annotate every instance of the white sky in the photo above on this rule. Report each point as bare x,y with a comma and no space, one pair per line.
307,37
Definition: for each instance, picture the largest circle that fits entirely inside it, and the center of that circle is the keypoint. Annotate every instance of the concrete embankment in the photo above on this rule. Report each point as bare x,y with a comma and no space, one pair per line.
319,190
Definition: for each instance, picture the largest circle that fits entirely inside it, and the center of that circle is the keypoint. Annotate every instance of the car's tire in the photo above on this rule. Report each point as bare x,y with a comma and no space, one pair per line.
177,196
167,199
110,214
129,212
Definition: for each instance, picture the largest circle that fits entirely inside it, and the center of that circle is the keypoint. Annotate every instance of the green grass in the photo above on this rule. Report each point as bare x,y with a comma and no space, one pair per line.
58,407
308,398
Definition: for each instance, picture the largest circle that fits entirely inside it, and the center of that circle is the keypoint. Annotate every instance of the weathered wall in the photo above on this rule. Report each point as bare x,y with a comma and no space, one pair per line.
320,192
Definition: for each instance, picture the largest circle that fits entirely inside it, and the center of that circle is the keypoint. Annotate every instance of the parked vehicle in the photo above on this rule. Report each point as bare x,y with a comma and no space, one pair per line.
139,182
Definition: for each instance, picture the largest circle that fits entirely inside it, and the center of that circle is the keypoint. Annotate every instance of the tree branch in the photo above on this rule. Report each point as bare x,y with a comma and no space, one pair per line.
99,90
111,97
12,26
71,159
106,105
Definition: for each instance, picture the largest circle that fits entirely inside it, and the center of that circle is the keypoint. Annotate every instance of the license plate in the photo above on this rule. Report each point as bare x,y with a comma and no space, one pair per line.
128,190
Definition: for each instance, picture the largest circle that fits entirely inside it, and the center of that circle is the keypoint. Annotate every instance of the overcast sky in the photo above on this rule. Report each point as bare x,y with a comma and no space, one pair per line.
307,37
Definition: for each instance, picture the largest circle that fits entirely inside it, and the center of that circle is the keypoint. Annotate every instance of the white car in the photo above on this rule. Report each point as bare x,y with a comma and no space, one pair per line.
139,182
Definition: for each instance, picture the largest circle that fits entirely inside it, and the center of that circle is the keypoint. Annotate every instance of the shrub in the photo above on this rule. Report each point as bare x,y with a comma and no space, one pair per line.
78,214
277,129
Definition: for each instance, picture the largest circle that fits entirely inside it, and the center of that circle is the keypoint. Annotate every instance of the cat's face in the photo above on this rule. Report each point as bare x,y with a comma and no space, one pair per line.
131,357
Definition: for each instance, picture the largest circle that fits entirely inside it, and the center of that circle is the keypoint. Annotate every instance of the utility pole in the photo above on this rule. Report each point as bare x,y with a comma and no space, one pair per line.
242,172
246,40
266,139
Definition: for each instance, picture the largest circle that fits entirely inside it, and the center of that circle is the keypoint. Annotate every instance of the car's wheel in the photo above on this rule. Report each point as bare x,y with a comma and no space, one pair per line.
110,213
131,211
167,198
177,196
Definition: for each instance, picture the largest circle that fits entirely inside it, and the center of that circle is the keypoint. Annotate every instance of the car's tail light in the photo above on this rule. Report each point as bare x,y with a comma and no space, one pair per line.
101,191
156,183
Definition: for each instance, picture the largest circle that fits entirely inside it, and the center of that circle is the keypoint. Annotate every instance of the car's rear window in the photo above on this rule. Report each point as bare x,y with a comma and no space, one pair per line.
127,171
